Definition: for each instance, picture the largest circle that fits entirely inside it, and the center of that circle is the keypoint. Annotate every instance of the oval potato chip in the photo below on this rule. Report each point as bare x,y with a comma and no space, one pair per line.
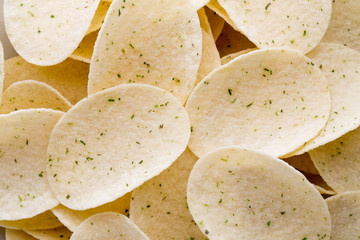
159,206
32,94
51,234
235,193
112,142
17,235
24,192
49,25
340,66
345,215
72,218
156,42
338,162
260,100
292,24
109,225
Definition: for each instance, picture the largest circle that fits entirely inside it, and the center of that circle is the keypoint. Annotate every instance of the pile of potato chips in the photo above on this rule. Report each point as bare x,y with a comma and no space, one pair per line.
181,119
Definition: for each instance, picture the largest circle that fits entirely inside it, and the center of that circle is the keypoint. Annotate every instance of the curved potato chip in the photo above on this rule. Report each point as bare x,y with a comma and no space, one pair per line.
337,162
232,41
216,22
69,77
159,206
24,191
219,10
226,59
260,100
96,156
344,24
2,73
46,220
72,218
210,58
99,17
235,193
51,234
50,27
303,163
110,225
17,235
85,49
345,215
293,24
32,94
340,66
150,38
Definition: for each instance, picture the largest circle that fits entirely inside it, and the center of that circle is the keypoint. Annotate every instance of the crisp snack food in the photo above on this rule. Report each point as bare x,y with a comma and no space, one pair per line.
235,193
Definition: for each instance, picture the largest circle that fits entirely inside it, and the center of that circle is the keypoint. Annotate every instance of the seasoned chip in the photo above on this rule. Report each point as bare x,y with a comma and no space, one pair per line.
293,24
155,42
46,32
112,142
17,235
109,225
24,138
69,77
159,206
260,100
32,94
51,234
86,48
216,22
340,66
337,162
235,193
345,215
46,220
72,218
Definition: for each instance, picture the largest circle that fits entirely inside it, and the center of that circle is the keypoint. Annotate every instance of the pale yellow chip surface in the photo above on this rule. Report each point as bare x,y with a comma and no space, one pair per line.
337,162
344,27
293,24
99,17
69,77
235,193
46,220
96,156
345,215
109,225
216,7
42,31
85,49
156,42
72,218
340,66
302,162
51,234
25,192
260,100
216,22
226,59
32,94
159,206
210,58
11,234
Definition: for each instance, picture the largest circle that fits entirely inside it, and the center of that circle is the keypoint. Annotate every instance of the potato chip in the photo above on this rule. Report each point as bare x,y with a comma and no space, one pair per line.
340,66
1,70
210,58
17,235
303,163
292,24
69,77
204,22
199,3
231,56
85,49
112,142
49,25
216,22
159,206
51,234
235,193
32,94
216,7
110,225
24,190
337,162
345,215
72,218
99,17
156,42
232,41
344,25
260,100
46,220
